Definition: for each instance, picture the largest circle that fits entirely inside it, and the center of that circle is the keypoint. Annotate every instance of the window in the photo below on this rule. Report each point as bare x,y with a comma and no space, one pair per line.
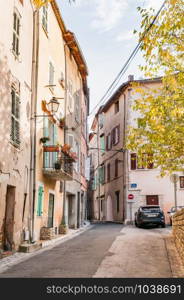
117,200
77,107
45,17
71,141
40,201
116,107
116,167
145,162
94,185
102,174
15,118
51,74
109,172
16,33
115,133
108,142
70,94
101,120
182,182
102,143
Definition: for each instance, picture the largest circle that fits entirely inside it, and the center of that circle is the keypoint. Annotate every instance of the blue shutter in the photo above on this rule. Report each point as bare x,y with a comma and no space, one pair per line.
40,201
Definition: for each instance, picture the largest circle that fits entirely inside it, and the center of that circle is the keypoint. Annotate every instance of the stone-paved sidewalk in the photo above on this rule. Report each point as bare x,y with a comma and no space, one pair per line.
8,262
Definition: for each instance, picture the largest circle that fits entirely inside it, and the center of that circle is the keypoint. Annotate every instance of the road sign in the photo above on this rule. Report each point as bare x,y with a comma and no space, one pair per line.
130,196
133,185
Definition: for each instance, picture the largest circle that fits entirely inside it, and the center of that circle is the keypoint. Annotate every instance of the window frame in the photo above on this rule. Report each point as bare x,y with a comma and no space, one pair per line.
15,117
181,178
45,18
16,33
116,107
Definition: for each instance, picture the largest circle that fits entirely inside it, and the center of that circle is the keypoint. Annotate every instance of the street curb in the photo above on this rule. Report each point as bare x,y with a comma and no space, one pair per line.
176,264
8,262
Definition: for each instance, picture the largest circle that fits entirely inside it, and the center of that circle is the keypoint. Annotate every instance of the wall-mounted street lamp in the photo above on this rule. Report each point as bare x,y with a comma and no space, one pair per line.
53,105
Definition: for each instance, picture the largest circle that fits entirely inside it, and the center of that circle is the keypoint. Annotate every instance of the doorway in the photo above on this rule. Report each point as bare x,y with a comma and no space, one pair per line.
8,243
109,209
152,200
51,211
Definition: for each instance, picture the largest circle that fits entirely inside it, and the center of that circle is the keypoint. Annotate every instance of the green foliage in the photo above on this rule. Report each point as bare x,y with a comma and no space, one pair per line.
161,122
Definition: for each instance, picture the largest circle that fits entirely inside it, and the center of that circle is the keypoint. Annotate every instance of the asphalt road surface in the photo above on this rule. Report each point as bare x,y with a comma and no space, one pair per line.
106,250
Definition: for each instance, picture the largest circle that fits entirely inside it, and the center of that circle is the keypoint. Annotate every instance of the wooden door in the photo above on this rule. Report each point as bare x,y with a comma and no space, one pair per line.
152,200
51,211
8,243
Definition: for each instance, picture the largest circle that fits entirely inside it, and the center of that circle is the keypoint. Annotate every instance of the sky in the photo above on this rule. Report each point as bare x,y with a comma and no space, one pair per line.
104,29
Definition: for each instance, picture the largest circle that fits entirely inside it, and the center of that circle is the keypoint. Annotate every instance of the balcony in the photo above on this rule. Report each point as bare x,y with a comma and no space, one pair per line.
57,165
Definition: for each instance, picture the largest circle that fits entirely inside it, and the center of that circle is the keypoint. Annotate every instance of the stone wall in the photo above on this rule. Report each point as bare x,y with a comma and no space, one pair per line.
178,232
47,233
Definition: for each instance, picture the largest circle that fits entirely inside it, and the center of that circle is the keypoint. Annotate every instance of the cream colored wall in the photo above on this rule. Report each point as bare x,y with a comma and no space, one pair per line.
14,161
149,182
51,49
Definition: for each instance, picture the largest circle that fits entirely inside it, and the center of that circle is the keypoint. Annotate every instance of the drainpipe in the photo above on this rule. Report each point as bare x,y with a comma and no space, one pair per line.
98,146
65,103
33,123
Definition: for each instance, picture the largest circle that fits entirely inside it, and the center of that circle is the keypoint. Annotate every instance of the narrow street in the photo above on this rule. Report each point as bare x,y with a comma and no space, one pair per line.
105,250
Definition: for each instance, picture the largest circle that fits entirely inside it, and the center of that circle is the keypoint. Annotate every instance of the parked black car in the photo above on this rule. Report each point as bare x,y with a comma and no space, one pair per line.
149,215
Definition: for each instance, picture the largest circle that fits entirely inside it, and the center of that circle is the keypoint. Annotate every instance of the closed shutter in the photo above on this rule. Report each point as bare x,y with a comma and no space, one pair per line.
40,201
15,118
46,134
71,141
133,161
51,74
116,167
107,143
55,154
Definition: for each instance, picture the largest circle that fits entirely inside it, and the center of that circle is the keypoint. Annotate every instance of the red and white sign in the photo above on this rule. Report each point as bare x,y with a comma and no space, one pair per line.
130,196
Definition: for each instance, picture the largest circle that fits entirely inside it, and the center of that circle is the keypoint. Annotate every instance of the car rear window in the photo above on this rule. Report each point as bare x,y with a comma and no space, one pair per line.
151,209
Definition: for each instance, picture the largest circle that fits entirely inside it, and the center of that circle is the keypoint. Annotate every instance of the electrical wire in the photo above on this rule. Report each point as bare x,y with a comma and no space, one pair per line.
128,62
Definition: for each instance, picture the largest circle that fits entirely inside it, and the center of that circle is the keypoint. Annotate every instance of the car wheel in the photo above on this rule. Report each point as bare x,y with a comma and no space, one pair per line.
163,225
136,224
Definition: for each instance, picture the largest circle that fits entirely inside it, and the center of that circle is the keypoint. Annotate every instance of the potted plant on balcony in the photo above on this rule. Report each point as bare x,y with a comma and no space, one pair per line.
57,165
44,139
62,122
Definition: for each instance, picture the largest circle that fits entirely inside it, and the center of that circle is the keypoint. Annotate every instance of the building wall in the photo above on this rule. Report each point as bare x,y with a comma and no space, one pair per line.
73,188
148,181
51,49
14,161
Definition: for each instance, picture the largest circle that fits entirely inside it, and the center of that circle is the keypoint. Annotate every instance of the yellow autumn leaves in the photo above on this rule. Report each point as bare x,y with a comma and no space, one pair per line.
40,3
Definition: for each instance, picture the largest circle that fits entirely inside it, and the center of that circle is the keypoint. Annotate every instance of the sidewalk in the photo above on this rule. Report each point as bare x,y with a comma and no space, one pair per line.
9,261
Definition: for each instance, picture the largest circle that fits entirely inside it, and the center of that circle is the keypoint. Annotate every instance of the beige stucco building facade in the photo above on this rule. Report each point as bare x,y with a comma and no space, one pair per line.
16,37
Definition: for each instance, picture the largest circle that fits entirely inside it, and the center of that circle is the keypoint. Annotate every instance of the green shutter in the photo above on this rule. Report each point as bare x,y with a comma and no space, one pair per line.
40,201
46,134
46,128
55,154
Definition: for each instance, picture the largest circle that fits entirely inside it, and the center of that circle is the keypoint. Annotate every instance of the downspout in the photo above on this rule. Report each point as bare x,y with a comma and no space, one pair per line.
33,123
65,103
98,177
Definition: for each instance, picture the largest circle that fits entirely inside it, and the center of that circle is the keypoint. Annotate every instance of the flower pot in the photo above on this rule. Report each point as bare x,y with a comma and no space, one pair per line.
57,165
51,148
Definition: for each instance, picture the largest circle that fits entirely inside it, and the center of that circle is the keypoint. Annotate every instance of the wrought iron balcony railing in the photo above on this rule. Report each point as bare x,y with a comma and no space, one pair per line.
56,164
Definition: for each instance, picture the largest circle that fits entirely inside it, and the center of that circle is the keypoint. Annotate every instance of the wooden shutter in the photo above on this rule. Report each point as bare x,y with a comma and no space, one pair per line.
116,167
133,161
108,172
51,74
40,201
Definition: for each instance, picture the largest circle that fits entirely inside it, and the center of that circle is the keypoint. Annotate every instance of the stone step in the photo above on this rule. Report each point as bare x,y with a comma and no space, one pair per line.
28,248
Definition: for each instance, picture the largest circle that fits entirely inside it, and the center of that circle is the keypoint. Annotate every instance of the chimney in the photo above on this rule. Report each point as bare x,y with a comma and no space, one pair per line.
130,77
